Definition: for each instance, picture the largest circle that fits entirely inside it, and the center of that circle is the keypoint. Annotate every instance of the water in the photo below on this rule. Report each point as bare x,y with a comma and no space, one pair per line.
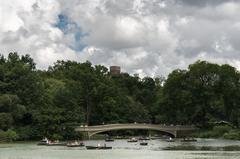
121,150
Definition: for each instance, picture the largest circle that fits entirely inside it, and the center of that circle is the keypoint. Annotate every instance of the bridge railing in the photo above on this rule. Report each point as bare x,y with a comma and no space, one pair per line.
139,125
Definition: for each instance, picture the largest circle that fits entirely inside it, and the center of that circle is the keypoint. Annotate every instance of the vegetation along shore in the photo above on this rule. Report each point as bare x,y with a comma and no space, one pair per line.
36,103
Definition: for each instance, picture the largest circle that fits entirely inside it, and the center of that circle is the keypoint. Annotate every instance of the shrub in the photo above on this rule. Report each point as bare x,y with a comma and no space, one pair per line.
216,132
219,131
8,136
233,135
11,135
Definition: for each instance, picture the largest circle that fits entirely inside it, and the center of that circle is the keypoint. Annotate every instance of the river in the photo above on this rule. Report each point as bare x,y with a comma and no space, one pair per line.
122,150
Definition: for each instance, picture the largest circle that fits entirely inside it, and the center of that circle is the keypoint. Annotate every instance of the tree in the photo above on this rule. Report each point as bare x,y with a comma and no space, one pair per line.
6,121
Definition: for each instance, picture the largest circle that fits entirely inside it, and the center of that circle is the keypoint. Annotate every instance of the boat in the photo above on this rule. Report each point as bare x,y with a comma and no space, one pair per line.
75,144
170,139
56,143
120,137
109,140
133,140
143,143
98,147
189,140
144,138
44,141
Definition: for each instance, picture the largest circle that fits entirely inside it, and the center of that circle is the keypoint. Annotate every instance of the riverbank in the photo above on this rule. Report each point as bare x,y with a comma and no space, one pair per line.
202,148
219,132
216,132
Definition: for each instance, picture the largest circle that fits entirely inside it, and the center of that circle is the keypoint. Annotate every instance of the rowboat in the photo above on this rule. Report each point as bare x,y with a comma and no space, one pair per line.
104,147
75,144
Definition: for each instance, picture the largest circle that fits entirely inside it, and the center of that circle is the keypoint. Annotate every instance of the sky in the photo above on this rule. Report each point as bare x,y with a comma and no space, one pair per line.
148,37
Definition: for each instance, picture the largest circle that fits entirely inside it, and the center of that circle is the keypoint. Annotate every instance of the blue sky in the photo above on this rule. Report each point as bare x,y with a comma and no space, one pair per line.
63,24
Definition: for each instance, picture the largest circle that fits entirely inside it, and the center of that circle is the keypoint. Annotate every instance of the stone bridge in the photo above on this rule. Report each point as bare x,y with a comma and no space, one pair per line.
174,131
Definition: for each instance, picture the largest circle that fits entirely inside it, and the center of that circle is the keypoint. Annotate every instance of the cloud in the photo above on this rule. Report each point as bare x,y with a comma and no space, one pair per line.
146,37
204,3
28,27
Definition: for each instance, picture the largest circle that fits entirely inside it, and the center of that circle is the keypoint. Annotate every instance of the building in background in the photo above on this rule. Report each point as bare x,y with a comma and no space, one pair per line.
115,70
136,75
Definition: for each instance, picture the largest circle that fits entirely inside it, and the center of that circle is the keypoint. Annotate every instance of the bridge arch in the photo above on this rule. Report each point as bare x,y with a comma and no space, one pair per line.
172,130
170,133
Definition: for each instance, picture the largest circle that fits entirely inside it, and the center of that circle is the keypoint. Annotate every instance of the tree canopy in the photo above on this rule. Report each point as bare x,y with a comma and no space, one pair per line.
36,103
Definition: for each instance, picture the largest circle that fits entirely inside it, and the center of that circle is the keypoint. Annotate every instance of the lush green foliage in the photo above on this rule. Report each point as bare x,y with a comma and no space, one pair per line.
35,103
225,132
203,94
8,135
232,134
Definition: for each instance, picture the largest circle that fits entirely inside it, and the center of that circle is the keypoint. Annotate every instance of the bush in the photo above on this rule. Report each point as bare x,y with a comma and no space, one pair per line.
207,134
56,137
6,121
216,132
220,130
28,133
8,136
232,135
11,135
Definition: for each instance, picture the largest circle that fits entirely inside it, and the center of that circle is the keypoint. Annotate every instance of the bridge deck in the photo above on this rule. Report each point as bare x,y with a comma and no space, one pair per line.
173,130
134,126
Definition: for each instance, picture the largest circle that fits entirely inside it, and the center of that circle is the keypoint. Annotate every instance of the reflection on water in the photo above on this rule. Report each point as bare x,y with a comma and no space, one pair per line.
203,148
124,150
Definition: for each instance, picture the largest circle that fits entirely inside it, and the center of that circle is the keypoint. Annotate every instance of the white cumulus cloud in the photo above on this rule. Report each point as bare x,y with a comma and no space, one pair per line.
146,37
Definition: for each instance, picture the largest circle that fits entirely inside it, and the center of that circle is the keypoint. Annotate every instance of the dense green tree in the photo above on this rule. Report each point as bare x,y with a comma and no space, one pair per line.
202,94
36,103
6,121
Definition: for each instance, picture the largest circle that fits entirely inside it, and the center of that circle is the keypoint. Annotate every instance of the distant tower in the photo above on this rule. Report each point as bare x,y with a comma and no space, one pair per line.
136,75
115,70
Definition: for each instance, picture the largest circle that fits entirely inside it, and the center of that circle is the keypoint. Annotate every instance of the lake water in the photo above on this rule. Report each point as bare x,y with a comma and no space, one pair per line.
121,150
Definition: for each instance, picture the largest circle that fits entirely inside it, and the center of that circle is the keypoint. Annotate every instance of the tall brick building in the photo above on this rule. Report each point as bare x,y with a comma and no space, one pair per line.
115,70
